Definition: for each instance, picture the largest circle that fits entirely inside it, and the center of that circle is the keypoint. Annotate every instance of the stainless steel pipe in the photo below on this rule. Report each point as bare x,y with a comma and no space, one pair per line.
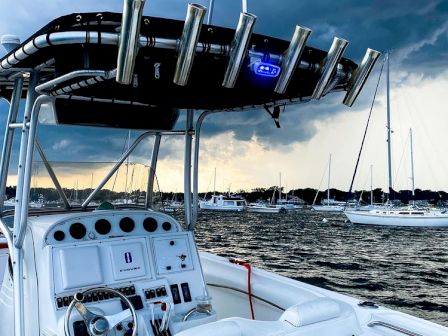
238,48
331,63
360,76
129,40
292,58
188,42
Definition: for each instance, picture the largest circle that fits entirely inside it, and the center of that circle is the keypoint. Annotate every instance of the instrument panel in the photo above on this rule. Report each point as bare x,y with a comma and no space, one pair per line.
145,255
100,225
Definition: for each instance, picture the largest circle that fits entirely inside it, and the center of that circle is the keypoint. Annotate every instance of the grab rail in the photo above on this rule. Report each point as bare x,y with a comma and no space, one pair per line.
393,327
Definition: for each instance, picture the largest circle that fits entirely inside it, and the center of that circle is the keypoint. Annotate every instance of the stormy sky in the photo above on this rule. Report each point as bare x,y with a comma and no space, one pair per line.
247,148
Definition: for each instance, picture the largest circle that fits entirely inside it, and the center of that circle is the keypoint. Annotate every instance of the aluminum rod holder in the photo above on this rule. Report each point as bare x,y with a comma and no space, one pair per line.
360,76
188,42
292,58
238,48
129,40
331,62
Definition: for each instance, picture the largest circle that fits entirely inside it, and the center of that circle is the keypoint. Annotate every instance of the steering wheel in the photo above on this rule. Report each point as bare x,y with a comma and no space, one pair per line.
99,325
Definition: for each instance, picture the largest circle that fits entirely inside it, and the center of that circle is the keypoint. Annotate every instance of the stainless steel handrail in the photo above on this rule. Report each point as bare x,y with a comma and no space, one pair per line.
393,327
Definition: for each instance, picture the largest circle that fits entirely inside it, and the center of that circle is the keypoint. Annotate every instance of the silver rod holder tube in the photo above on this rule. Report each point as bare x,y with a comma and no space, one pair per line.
115,168
149,202
238,48
8,137
52,175
331,62
129,40
188,42
360,76
292,58
187,167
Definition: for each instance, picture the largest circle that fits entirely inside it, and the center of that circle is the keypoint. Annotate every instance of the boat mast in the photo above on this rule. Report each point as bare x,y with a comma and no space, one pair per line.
214,183
389,146
328,187
280,188
371,184
412,168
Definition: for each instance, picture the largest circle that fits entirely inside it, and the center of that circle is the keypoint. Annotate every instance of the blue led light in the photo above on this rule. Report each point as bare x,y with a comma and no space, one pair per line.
266,69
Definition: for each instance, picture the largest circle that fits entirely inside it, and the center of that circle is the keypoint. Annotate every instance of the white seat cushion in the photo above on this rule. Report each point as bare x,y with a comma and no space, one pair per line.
310,312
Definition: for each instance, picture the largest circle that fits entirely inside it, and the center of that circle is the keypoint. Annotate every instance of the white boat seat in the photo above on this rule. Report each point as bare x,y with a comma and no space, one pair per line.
290,321
310,312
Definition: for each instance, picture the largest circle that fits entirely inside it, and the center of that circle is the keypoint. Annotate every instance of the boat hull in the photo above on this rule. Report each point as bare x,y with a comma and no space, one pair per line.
272,294
221,208
265,209
368,218
328,208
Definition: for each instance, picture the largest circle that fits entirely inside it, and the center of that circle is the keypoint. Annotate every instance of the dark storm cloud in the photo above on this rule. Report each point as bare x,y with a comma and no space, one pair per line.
416,31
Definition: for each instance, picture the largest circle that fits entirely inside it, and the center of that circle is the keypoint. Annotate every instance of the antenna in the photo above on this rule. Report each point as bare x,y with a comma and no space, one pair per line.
244,6
211,4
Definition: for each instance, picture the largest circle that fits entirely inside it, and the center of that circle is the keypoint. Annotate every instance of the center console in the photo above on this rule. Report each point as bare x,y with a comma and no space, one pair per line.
143,254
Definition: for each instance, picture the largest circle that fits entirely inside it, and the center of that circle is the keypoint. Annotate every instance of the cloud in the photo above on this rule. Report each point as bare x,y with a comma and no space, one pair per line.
416,31
63,144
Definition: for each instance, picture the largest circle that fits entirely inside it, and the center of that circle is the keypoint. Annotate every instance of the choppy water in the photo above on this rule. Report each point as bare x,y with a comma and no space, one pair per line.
402,268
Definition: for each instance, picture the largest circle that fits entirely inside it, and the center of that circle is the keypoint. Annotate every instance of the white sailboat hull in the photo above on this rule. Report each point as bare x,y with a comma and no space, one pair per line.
217,207
396,219
328,208
265,209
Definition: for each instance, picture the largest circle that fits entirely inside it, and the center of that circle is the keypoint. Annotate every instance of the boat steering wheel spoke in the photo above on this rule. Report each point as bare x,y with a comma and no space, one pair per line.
99,325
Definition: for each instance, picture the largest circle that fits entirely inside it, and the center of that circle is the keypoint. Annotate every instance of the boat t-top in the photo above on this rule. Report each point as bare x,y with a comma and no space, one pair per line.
128,270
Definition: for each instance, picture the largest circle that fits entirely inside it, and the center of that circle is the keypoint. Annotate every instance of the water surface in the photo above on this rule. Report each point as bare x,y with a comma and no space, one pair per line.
402,268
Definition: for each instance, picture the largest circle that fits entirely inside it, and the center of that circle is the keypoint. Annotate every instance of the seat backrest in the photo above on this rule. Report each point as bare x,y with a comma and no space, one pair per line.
310,312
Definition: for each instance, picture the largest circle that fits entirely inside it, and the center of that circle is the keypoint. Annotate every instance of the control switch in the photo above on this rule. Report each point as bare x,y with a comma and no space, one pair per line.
175,293
186,292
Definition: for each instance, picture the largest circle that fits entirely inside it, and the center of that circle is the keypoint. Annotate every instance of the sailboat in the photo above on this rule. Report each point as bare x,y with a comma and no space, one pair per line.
263,207
388,215
328,205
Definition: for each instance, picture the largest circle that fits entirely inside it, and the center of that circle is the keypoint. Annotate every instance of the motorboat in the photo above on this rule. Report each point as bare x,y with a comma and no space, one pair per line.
223,203
130,270
260,207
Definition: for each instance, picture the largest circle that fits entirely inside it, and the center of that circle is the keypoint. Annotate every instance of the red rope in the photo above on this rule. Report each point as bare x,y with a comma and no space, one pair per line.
249,284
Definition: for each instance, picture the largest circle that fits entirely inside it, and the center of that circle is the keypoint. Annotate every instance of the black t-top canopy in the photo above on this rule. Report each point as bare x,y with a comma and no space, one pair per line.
83,41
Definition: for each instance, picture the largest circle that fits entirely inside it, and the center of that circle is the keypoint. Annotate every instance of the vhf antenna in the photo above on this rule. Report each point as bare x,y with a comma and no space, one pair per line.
212,3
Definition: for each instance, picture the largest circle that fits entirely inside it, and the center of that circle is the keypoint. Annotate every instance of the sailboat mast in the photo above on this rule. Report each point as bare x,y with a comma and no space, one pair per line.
412,166
389,145
371,184
214,183
280,188
329,176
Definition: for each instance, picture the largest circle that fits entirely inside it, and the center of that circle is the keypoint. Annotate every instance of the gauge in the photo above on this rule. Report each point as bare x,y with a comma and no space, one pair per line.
150,224
102,226
127,224
77,230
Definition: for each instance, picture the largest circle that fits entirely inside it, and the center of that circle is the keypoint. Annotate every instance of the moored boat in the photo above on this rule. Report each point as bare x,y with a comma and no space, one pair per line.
223,203
410,216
